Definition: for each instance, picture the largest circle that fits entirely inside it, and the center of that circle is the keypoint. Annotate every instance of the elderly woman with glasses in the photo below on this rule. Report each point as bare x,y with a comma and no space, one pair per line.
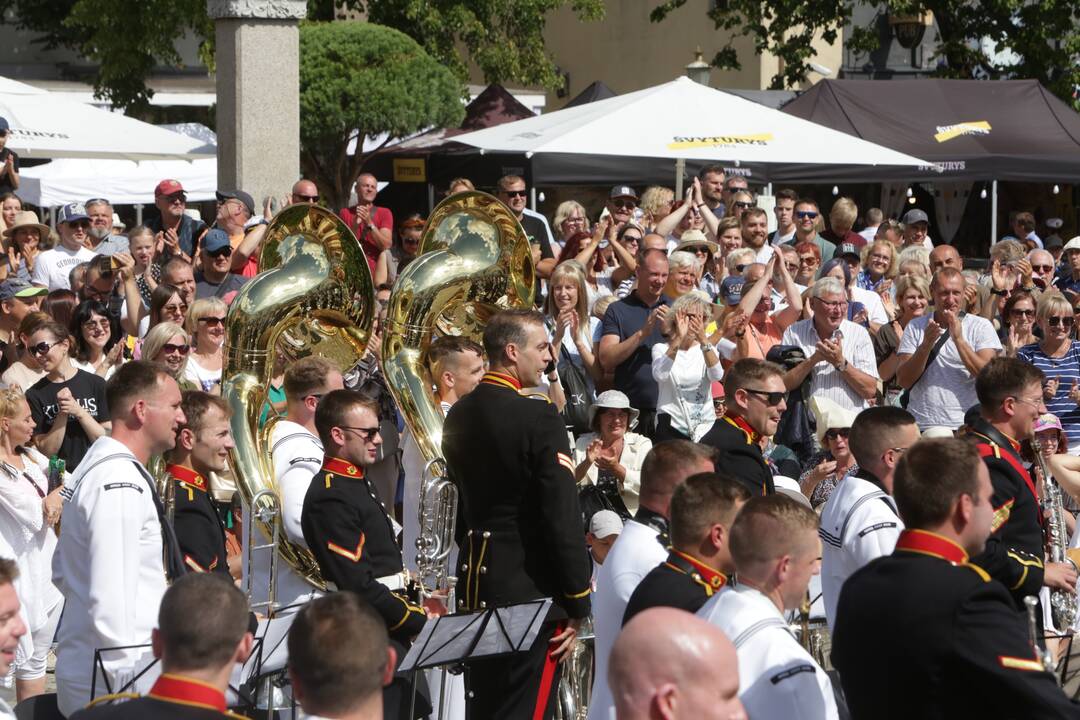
96,350
879,266
1059,359
824,470
1018,322
69,406
205,325
570,218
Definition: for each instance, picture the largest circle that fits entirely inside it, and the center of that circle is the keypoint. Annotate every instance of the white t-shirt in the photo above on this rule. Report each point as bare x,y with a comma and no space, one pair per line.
52,267
875,309
946,389
204,378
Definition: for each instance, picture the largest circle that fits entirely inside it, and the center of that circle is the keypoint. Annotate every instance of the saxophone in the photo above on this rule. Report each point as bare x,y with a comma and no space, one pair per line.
1056,537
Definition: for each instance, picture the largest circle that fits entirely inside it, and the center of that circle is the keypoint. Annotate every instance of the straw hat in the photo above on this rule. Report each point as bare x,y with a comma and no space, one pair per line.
28,218
695,238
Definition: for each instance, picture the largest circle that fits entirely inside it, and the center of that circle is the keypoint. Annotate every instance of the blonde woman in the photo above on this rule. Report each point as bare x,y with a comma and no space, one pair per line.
880,264
205,325
684,270
169,345
28,513
575,334
570,218
684,368
656,203
728,235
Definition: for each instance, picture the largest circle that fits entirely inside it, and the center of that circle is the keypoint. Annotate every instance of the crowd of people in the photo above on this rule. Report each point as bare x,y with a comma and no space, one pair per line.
759,429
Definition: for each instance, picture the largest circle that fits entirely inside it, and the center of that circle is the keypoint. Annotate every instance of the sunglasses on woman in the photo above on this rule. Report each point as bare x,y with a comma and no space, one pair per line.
833,433
1063,321
41,348
169,349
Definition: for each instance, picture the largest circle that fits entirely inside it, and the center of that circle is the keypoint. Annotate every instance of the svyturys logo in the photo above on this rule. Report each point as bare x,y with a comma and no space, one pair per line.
686,142
948,132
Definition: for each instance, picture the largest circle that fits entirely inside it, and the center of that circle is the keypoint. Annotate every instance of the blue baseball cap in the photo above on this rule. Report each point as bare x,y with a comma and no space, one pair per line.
4,124
72,212
14,287
215,239
731,289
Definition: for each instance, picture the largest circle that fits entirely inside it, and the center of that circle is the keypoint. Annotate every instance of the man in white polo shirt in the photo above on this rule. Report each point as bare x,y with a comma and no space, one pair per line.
52,267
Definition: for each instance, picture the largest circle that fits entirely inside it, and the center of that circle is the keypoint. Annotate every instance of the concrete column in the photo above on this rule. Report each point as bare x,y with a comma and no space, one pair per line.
258,94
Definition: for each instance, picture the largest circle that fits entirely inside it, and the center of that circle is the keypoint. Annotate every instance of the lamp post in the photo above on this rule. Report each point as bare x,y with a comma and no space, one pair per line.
699,70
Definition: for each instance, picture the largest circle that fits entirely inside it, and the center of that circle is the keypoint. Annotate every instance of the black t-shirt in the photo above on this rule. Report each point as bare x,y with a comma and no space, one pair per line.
89,391
204,288
6,185
534,228
187,233
633,375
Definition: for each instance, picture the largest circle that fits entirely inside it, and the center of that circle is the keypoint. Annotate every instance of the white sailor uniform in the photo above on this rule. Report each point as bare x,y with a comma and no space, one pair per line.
108,564
777,677
859,523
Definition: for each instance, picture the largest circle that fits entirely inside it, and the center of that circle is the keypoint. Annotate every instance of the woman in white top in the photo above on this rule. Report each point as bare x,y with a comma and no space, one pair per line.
168,344
28,514
610,457
96,350
206,325
684,368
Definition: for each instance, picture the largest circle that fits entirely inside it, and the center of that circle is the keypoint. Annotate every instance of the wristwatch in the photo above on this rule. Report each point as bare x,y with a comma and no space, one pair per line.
706,347
999,292
842,366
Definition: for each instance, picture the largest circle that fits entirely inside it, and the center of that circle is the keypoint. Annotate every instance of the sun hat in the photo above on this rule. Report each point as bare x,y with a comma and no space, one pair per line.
615,400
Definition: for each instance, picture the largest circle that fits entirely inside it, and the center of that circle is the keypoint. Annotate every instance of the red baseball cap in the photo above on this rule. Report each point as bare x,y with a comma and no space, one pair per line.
168,187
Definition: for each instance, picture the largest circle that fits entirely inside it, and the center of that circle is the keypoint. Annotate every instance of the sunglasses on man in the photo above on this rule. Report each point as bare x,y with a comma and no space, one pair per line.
772,399
515,193
803,214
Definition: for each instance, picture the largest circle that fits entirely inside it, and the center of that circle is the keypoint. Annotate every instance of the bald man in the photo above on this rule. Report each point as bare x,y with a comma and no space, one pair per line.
304,191
977,297
688,671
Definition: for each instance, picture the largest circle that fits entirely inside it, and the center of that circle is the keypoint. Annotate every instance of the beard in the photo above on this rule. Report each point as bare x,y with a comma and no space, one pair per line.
100,233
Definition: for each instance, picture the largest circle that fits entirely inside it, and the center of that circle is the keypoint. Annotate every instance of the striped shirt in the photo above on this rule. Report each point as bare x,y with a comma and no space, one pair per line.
826,381
1067,370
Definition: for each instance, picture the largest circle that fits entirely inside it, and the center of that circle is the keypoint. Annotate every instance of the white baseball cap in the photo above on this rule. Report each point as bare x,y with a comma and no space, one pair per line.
605,523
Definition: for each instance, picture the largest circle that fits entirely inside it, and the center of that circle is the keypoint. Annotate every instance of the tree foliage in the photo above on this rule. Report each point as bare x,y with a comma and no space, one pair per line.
361,80
1043,37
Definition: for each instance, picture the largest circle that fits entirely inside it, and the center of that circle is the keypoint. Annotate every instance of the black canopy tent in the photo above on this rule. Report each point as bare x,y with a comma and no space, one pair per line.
967,129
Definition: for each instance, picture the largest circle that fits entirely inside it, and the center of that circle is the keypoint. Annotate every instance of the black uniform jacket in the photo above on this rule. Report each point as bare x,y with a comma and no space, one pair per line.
1014,552
682,581
740,455
519,523
351,536
197,523
171,698
924,634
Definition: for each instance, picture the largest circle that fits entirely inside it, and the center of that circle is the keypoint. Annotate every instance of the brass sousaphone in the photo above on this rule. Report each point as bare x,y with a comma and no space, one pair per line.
314,296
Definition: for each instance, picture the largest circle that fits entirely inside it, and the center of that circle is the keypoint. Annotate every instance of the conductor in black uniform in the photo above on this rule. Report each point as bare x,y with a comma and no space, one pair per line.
1010,395
923,632
202,447
202,634
519,525
755,394
699,562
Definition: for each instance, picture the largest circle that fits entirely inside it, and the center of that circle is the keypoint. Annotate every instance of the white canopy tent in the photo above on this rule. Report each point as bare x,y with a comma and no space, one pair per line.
43,125
122,182
683,120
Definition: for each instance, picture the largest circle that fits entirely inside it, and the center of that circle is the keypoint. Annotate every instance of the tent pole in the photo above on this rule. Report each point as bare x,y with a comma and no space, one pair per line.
768,188
138,213
532,199
680,170
993,212
430,198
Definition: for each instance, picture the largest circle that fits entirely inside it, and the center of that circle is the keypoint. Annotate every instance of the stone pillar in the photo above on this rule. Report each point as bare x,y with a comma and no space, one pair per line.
258,94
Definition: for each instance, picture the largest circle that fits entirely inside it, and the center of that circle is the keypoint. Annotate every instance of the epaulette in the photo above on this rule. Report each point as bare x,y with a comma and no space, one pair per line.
978,571
535,396
111,698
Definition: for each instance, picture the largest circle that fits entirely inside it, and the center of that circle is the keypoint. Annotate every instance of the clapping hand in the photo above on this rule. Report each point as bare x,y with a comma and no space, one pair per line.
831,351
1074,392
1050,388
933,332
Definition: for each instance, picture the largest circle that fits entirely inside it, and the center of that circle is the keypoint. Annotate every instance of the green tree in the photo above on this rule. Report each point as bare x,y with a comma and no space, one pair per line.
361,80
785,28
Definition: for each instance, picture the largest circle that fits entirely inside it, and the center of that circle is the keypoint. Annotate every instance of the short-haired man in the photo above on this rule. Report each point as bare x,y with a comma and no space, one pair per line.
1023,230
732,185
296,454
754,225
806,225
1010,393
178,272
775,545
784,210
52,266
940,355
456,365
304,191
640,548
859,521
711,178
874,218
951,637
101,238
699,562
686,671
201,635
9,161
513,193
111,503
236,216
754,399
544,556
340,658
842,218
978,298
202,447
916,229
17,300
179,232
840,360
1043,266
215,277
631,327
372,225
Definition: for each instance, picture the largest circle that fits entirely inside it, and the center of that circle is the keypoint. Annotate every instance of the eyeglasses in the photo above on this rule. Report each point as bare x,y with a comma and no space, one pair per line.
176,197
792,267
833,433
91,324
1042,268
305,198
772,399
79,225
515,193
899,450
811,260
736,188
220,252
175,308
169,349
740,267
574,220
624,204
884,258
210,320
802,214
838,305
718,402
742,204
631,239
3,133
1037,404
1025,313
41,348
699,250
368,434
1063,321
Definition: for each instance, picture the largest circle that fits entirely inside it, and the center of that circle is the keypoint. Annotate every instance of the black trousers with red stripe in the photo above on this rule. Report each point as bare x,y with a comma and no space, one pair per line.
510,687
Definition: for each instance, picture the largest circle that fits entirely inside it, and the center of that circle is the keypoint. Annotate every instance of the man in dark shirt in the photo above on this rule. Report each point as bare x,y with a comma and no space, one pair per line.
630,328
214,279
9,161
514,194
180,231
